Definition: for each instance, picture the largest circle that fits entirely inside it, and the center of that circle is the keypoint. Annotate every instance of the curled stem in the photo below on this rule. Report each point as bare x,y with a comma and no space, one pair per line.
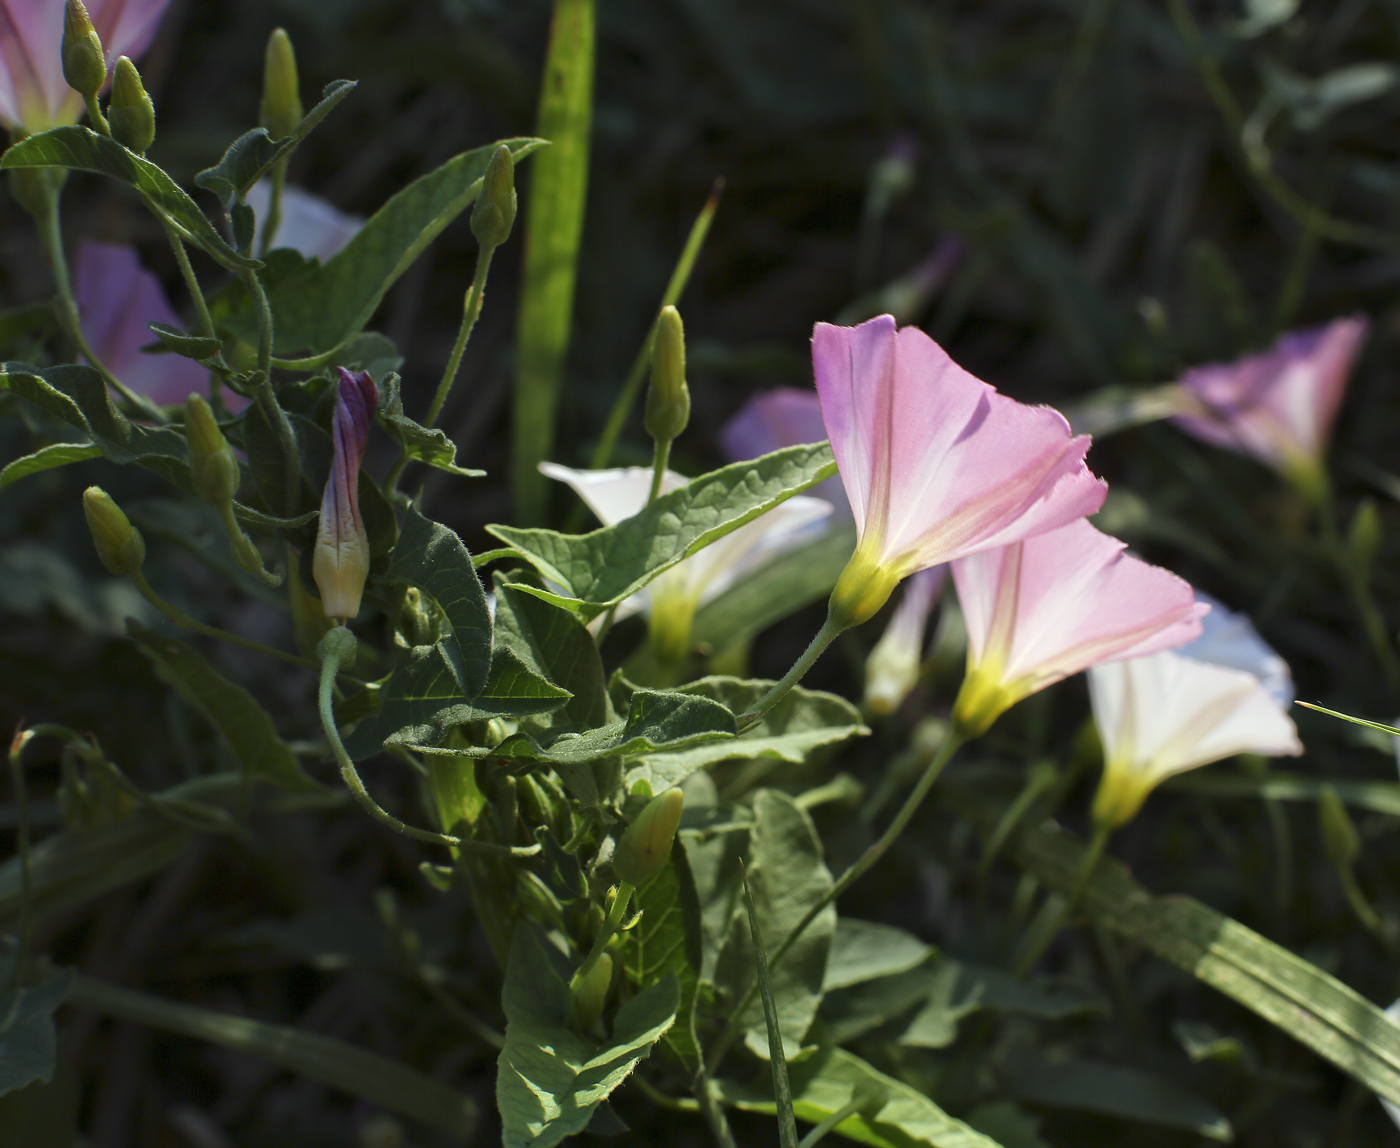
330,666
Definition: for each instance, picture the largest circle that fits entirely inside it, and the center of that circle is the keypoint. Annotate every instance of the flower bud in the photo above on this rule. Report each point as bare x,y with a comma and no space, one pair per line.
668,398
494,213
280,110
212,463
340,563
588,996
119,544
646,844
130,113
863,587
84,65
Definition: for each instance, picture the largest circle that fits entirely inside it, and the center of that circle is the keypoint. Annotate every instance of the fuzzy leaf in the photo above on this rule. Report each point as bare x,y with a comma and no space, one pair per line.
47,458
556,646
430,446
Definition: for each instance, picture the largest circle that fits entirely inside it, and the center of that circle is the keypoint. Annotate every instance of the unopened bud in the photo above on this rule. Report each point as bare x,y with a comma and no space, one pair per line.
587,997
212,463
119,544
668,398
130,113
646,844
494,213
280,110
84,65
338,644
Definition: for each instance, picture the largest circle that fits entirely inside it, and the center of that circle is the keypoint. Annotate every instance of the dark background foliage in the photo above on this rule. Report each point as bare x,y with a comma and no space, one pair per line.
1111,233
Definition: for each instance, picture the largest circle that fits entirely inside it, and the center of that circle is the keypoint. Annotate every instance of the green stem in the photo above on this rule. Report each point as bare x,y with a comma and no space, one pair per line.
713,1111
177,245
858,869
268,230
825,636
180,618
94,111
1087,867
605,934
471,311
660,457
330,665
26,875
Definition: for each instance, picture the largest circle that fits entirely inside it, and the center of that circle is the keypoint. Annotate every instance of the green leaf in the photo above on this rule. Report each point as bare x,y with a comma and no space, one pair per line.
47,458
242,723
554,644
549,1080
788,877
28,1044
1114,1090
803,721
826,1083
866,951
423,699
388,1083
430,446
77,395
79,149
553,230
251,155
600,569
1314,1008
322,307
197,347
431,557
668,941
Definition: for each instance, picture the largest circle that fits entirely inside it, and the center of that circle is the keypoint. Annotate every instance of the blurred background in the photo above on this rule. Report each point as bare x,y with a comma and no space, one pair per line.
1078,199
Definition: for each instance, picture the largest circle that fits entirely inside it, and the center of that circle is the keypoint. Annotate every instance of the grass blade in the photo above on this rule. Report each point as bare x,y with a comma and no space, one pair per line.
558,187
1390,729
782,1091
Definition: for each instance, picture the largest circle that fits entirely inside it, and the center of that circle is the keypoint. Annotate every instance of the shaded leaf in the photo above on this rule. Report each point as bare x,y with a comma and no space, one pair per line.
866,951
28,1043
430,446
47,458
554,644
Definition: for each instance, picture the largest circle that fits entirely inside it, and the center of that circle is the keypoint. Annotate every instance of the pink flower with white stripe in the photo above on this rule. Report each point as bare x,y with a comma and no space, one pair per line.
936,464
1040,610
340,563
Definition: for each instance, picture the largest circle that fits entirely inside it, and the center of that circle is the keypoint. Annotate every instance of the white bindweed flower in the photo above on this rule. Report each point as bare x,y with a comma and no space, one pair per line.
310,224
1163,714
672,598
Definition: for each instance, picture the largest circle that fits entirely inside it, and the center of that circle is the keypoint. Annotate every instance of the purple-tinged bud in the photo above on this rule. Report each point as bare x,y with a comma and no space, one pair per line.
646,844
341,561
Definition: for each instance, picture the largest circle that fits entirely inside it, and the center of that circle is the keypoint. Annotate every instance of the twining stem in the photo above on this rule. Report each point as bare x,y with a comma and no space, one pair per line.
330,666
471,311
858,869
177,245
180,618
825,636
1088,866
50,224
605,934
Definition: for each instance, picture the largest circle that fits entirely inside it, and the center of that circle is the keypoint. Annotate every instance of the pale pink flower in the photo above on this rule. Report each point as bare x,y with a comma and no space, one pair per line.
117,298
936,464
1040,610
892,667
340,563
33,93
1169,712
310,224
1278,406
784,416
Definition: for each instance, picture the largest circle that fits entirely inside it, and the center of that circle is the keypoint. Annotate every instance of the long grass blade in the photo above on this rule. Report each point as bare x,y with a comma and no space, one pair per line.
782,1090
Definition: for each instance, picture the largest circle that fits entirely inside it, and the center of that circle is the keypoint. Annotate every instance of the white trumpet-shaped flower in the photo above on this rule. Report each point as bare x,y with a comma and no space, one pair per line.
1163,714
673,597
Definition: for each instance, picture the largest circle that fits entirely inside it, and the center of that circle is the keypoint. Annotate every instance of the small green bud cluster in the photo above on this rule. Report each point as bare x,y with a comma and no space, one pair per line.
130,112
84,65
668,397
494,213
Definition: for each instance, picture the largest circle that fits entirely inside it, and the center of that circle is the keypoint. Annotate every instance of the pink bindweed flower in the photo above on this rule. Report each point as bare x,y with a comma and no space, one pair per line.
310,224
1278,406
341,561
784,416
116,298
936,464
1040,610
892,667
33,93
1223,694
